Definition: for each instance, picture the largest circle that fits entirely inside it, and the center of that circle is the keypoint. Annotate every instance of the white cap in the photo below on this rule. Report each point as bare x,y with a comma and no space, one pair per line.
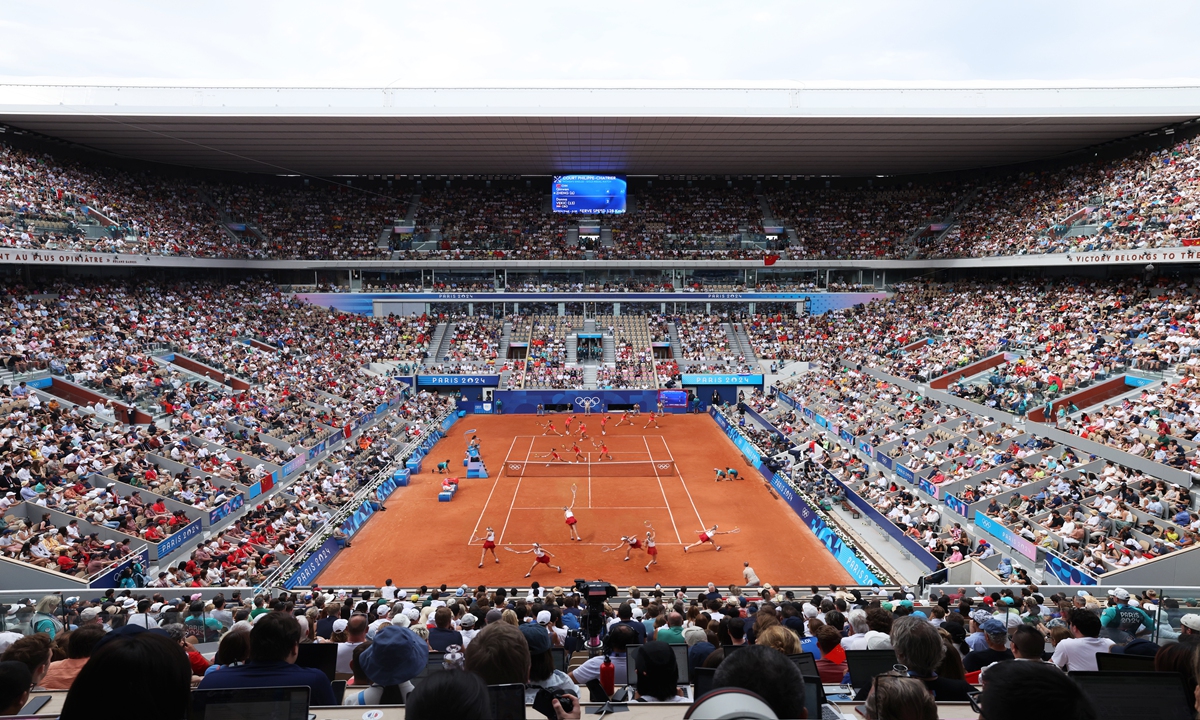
339,625
543,618
1121,594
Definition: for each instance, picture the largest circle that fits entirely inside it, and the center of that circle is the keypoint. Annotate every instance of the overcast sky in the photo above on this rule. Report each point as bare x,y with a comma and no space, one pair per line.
697,43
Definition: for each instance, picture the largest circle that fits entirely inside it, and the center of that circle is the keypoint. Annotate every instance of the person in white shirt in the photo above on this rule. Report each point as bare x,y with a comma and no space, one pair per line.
388,591
1079,652
857,620
467,629
356,634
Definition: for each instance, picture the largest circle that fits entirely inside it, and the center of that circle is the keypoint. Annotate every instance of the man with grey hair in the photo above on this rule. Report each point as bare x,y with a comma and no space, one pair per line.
857,620
919,648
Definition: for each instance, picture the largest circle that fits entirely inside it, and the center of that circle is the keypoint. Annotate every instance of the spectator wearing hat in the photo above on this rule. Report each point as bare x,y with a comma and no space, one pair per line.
467,628
442,635
1079,651
394,658
1122,620
995,635
542,673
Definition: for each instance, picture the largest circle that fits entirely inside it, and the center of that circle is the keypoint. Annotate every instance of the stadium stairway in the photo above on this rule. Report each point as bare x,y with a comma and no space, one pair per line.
747,349
676,348
440,338
609,349
505,337
572,341
590,373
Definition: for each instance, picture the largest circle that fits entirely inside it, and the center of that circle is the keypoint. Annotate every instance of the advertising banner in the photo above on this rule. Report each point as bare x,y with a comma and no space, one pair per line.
358,518
958,506
844,554
905,474
1005,535
1067,573
176,541
457,380
111,578
738,439
310,568
722,379
218,513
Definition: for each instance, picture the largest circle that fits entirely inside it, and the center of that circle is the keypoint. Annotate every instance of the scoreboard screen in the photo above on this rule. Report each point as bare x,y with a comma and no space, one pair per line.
589,194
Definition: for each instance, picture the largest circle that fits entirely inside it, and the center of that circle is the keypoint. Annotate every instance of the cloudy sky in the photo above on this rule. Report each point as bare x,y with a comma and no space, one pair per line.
697,43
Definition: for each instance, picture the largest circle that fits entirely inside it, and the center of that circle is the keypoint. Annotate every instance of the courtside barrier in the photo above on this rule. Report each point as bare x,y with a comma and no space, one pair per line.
842,551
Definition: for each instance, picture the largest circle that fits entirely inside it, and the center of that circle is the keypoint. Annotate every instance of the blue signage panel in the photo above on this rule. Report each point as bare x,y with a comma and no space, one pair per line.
176,541
452,380
1067,573
722,379
310,568
958,506
1005,535
738,439
216,514
111,578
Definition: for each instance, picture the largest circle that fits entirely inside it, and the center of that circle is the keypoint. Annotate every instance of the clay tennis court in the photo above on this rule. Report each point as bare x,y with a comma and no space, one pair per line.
661,476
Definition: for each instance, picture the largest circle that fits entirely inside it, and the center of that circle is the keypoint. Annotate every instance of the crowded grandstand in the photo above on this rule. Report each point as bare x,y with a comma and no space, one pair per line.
972,393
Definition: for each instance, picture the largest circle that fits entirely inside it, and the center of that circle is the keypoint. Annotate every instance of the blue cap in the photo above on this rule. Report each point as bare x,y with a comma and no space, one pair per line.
396,655
993,627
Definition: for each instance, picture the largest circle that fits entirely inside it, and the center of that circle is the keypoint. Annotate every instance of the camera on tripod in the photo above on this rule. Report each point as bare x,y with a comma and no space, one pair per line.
596,593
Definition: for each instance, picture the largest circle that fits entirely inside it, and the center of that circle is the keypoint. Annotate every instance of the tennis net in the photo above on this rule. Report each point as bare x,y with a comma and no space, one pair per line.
635,468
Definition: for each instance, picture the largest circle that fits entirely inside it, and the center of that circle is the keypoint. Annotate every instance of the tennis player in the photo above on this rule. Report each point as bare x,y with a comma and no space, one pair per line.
541,556
707,536
489,543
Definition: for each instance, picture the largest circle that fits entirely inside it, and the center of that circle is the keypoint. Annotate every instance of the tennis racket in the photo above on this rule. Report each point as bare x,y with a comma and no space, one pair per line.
574,490
647,524
734,531
510,549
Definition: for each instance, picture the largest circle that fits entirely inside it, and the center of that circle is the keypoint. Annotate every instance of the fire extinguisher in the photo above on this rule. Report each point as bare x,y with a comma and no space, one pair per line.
608,676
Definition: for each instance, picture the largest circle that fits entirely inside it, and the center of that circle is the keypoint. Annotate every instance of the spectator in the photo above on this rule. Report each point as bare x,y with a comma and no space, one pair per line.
274,644
832,663
442,635
1013,689
15,683
1079,651
1180,658
36,651
80,644
356,634
1028,643
673,632
657,674
542,673
896,697
449,694
395,657
233,651
995,634
151,672
699,648
499,654
919,648
768,674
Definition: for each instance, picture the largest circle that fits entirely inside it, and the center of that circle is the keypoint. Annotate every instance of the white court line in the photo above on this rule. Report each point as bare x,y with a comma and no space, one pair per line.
493,490
514,497
681,480
618,507
588,544
663,490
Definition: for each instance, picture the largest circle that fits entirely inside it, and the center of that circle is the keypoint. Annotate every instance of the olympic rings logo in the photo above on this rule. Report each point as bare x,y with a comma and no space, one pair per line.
587,402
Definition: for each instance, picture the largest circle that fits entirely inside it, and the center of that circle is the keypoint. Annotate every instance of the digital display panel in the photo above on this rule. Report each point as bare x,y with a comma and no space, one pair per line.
589,194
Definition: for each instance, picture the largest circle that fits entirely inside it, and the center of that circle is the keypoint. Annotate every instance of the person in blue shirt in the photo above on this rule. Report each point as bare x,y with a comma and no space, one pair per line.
274,645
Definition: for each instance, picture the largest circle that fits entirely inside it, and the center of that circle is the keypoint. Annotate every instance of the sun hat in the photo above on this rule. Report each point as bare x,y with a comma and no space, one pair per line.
395,656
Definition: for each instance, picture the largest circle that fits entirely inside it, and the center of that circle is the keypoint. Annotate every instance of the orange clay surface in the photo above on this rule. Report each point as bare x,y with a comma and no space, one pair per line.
420,541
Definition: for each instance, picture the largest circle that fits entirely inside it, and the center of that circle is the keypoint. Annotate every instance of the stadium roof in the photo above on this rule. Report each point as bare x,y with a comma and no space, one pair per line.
738,131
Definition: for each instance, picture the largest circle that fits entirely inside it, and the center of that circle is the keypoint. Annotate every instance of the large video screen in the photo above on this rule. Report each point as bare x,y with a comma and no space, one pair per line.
589,194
